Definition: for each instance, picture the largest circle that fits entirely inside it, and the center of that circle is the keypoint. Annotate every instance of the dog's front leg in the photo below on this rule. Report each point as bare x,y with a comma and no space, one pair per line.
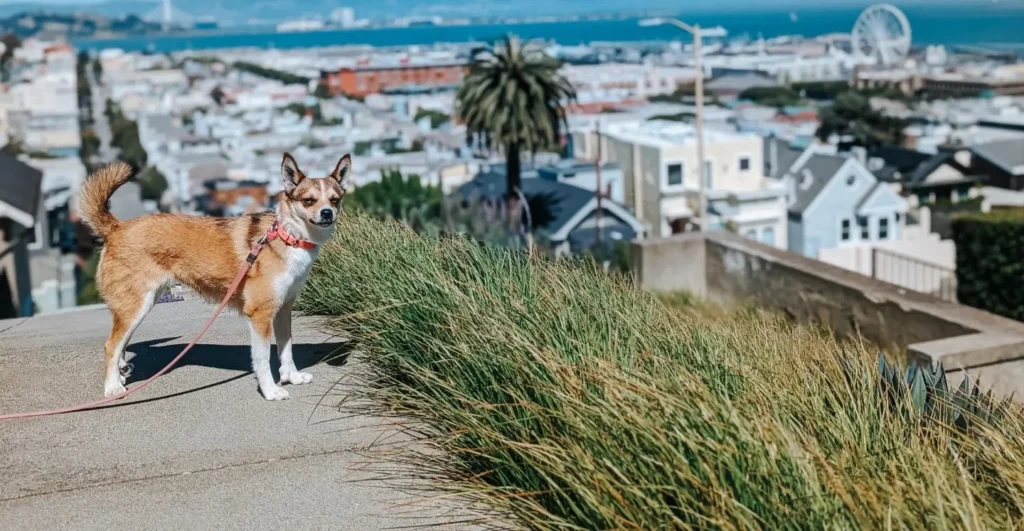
259,327
283,331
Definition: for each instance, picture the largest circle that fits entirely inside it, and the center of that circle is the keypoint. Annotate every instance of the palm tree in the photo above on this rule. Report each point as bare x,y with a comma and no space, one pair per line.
514,97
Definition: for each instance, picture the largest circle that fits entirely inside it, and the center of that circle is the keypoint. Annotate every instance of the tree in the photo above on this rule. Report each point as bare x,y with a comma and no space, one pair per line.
514,97
437,118
323,92
97,69
399,197
771,96
153,184
11,43
852,116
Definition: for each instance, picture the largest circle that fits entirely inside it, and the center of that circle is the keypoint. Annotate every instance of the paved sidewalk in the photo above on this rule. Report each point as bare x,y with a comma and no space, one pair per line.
199,449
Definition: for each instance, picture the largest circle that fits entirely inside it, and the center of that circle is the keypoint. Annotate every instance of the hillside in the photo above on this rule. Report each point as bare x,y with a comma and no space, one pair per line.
566,399
28,24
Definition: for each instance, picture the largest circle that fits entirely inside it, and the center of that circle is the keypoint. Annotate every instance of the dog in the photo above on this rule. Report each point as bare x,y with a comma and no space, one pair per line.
142,255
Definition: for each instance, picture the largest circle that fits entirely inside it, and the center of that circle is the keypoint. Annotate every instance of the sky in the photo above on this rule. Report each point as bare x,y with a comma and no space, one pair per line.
234,11
633,4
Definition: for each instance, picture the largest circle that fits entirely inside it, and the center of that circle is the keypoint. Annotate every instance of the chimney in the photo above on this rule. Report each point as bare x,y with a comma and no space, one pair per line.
773,158
860,153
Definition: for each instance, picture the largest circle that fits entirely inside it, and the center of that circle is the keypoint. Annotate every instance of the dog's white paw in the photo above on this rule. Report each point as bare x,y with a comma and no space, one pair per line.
296,378
110,390
274,393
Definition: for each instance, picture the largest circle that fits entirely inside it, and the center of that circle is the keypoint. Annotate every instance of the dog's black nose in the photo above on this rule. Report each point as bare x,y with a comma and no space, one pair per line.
326,214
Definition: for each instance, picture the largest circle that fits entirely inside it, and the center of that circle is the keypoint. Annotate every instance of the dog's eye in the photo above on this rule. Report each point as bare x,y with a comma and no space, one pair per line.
309,201
335,201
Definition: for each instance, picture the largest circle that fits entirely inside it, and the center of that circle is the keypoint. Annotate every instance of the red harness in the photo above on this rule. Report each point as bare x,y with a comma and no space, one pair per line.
276,232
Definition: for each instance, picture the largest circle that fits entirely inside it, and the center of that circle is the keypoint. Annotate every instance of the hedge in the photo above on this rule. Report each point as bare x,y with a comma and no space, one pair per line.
990,261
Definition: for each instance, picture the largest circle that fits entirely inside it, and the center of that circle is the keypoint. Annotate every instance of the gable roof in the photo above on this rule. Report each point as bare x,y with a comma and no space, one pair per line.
1008,155
934,163
786,155
823,168
876,192
901,159
20,190
569,202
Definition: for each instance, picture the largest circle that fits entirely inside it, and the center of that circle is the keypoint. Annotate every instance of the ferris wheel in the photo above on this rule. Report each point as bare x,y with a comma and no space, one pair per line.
882,32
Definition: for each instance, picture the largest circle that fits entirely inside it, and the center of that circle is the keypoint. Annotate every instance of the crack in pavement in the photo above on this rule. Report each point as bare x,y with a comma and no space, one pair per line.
185,473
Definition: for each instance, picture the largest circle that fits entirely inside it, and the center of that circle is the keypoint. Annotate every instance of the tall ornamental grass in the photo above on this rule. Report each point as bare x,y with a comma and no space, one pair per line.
566,399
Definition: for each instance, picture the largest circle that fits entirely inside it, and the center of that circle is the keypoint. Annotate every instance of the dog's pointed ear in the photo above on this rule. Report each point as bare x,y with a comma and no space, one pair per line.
342,170
291,175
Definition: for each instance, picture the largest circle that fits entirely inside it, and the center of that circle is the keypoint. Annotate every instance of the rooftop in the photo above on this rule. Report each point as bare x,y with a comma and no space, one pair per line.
1007,154
661,133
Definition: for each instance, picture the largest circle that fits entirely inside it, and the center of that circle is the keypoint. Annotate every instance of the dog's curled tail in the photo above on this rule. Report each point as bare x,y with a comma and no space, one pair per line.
96,193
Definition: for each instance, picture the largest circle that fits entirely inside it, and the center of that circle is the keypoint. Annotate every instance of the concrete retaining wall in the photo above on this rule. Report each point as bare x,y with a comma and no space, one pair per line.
728,268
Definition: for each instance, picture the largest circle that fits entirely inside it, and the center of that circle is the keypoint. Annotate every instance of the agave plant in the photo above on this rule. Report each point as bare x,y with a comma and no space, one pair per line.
932,398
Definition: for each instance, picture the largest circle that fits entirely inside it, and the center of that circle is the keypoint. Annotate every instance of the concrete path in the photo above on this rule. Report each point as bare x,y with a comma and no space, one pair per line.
199,449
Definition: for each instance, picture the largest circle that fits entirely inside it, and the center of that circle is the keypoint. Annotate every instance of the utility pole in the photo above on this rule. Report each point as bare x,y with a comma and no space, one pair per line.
699,93
597,172
701,163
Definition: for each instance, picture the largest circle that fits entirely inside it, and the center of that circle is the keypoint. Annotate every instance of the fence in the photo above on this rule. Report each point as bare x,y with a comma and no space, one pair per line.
913,274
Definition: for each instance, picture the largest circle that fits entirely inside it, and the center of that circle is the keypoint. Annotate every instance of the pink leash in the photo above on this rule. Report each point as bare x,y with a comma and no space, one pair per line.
249,261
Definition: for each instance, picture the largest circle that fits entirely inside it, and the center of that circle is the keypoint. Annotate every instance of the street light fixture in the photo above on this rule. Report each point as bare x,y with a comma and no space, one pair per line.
699,95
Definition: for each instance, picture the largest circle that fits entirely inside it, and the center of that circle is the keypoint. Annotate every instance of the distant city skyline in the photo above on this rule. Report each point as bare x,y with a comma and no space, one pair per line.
236,12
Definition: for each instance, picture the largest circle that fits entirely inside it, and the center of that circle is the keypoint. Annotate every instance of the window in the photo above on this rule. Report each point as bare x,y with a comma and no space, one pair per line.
865,229
751,233
883,228
844,234
34,239
768,236
744,163
675,174
709,170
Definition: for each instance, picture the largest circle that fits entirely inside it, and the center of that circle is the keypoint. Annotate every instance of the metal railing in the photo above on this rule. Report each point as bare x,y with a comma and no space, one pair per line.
913,274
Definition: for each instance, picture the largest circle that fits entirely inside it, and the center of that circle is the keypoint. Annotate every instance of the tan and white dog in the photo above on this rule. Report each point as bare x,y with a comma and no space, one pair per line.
142,255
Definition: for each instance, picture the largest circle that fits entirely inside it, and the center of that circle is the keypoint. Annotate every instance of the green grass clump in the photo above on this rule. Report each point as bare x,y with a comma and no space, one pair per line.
564,398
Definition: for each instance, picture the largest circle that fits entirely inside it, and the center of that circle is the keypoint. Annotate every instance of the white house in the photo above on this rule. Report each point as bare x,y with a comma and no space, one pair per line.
659,167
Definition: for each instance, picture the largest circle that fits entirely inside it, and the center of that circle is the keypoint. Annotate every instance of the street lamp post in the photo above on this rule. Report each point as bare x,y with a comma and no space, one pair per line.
699,95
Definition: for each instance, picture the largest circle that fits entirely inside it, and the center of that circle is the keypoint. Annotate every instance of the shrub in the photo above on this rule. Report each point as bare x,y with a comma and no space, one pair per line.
771,96
821,90
153,184
269,73
565,398
437,118
990,261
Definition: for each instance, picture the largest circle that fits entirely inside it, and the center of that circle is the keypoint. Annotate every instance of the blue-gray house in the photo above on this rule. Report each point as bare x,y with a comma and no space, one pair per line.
835,200
571,222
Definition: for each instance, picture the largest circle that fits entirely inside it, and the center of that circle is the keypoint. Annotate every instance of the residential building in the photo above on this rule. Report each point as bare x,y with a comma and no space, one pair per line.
926,178
584,175
659,165
370,77
1004,80
1001,163
618,82
835,201
20,199
574,222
